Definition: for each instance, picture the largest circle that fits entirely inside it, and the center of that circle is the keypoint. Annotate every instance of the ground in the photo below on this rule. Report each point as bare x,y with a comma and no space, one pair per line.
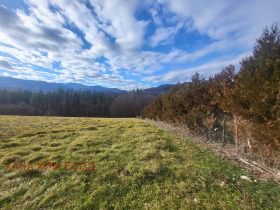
136,166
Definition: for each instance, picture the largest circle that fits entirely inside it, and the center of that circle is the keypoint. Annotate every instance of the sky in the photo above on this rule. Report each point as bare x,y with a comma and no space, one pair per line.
128,44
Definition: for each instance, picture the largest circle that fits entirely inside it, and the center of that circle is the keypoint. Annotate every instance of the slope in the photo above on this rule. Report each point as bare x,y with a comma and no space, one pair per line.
137,166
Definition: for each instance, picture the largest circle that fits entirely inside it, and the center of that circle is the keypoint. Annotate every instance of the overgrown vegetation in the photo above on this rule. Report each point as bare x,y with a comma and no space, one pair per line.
242,107
138,166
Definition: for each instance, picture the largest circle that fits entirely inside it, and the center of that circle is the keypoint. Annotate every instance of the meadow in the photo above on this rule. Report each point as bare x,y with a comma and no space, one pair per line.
136,166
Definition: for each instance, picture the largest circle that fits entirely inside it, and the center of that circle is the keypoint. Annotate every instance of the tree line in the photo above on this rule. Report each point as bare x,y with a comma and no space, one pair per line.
237,107
70,103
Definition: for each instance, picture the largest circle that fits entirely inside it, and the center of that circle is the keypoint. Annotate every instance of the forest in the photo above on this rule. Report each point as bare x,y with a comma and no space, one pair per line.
241,107
70,103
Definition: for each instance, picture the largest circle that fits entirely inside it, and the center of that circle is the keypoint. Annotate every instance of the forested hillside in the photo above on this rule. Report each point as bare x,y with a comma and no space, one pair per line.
238,107
71,103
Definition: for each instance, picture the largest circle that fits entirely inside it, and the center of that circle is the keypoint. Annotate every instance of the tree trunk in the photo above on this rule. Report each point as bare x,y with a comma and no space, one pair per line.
223,135
236,132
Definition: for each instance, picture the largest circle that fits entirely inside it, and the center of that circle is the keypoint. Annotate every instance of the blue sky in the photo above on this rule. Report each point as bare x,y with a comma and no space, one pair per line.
127,43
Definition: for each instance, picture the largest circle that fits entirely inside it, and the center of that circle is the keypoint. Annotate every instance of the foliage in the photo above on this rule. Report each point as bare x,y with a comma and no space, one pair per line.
257,87
191,103
253,93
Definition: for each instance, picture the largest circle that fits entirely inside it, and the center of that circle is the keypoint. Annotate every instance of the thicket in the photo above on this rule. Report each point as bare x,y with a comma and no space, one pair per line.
236,107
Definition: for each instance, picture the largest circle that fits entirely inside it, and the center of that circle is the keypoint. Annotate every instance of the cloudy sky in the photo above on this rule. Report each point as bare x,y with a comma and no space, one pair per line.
127,43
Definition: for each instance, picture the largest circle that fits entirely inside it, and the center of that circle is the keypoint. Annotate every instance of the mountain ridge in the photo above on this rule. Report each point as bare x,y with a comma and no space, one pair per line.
11,83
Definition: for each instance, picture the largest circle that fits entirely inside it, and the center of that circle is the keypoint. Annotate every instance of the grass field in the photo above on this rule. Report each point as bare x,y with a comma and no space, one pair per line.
137,166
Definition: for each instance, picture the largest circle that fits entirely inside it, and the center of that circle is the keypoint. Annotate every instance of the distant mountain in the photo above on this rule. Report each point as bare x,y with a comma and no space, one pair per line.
35,86
158,90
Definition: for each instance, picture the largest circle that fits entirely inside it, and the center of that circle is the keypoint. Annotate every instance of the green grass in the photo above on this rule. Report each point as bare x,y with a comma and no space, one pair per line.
137,166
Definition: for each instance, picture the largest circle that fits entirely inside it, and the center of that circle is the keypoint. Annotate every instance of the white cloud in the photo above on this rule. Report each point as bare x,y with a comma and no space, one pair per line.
26,32
119,21
222,19
163,35
155,15
181,75
5,74
77,37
